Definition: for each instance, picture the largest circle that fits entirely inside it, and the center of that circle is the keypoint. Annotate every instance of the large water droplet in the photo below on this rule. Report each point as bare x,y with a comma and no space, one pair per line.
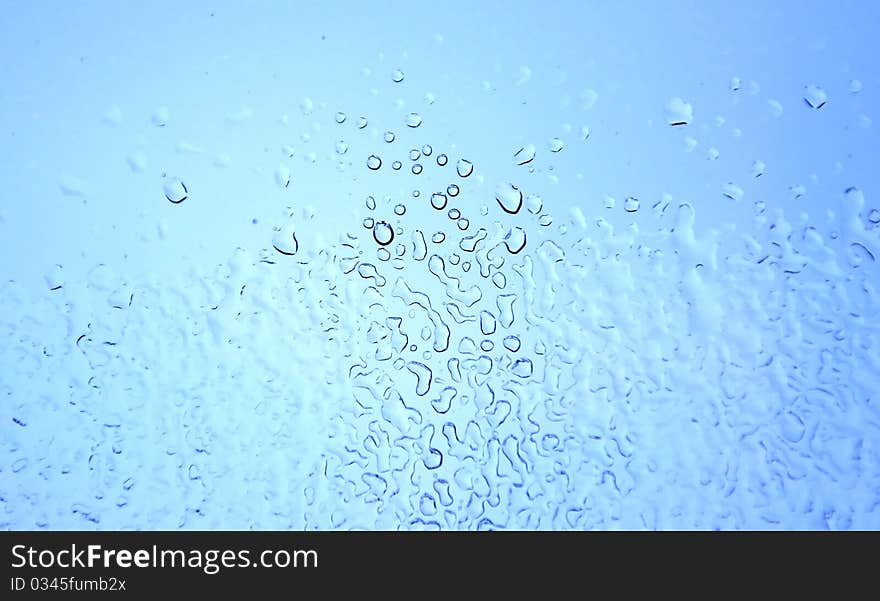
509,198
383,233
175,190
284,240
413,120
464,167
438,200
874,216
374,162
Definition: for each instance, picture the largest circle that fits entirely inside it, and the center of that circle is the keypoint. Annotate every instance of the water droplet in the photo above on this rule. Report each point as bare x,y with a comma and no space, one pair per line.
415,154
442,160
397,76
282,176
511,343
416,169
735,84
361,122
464,167
340,117
487,345
678,112
175,190
758,168
466,266
383,254
427,150
555,145
454,214
413,120
499,279
161,116
374,162
341,147
454,259
515,240
522,368
396,165
371,203
874,216
631,204
416,193
525,155
732,191
389,136
368,223
463,224
712,154
585,132
452,190
438,200
815,97
775,107
383,234
509,198
284,240
400,250
855,86
399,209
438,238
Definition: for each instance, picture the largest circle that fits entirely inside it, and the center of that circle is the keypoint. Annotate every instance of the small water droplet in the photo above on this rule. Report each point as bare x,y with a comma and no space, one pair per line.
415,154
815,97
487,345
464,167
509,198
585,132
368,223
396,165
427,150
413,120
397,76
416,169
340,117
758,168
452,190
416,193
389,136
525,155
555,145
466,266
454,259
371,203
874,216
438,238
631,204
442,160
463,223
361,122
284,240
399,209
374,162
341,147
175,190
515,240
511,343
161,116
383,254
383,234
454,213
438,200
678,112
732,191
855,86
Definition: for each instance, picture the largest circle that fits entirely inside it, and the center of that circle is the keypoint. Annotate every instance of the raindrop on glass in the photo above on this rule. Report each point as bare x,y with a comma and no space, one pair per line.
389,136
415,154
371,203
438,200
464,167
452,190
340,117
442,160
399,209
413,120
438,238
509,198
631,204
374,162
383,234
361,122
396,165
525,155
397,76
175,190
427,150
454,213
555,145
416,169
815,97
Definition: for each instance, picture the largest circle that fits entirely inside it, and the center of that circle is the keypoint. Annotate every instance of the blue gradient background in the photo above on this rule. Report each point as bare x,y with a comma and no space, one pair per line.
211,410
